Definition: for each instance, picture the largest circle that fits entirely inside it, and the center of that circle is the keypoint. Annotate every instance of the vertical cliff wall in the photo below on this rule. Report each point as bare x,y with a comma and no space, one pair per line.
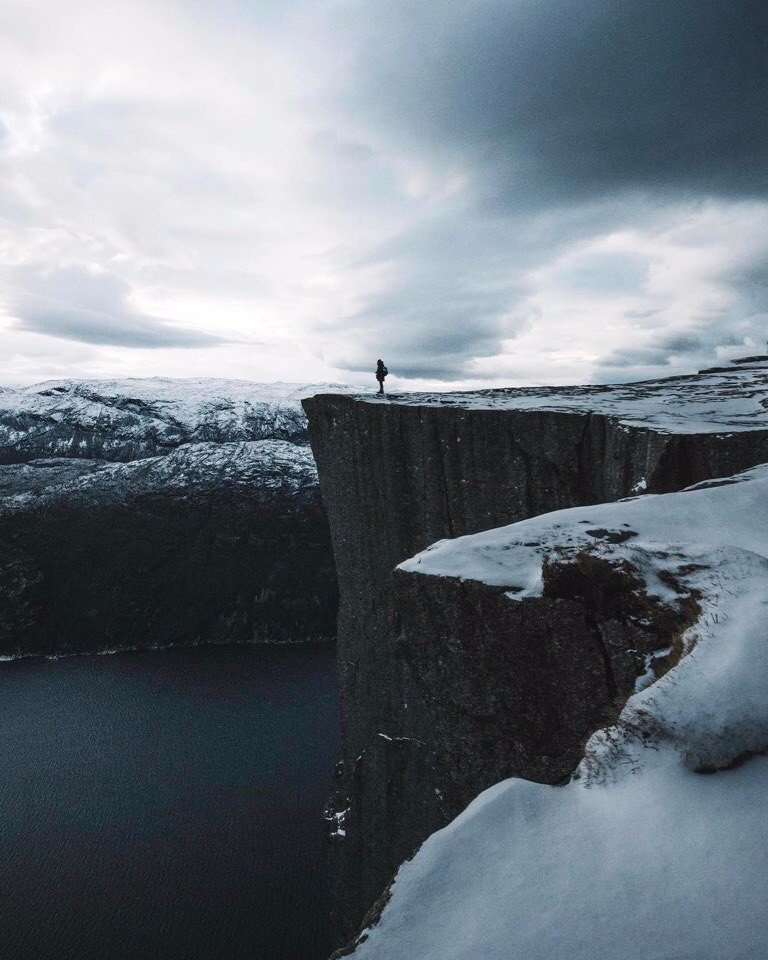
399,475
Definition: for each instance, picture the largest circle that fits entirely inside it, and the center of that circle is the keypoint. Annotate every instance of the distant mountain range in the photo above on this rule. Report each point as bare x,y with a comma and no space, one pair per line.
133,418
153,512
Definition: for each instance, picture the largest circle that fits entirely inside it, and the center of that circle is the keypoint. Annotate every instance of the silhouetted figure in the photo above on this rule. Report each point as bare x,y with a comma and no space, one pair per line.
381,372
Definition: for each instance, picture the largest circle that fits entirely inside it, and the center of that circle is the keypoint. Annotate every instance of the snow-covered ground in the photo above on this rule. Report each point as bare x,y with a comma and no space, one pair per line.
722,400
656,850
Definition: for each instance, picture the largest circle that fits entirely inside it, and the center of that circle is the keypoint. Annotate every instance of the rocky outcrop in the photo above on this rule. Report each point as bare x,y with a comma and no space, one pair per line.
212,543
504,632
400,474
514,688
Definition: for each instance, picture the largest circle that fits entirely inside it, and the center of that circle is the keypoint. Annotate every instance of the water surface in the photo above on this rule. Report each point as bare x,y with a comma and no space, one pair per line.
166,804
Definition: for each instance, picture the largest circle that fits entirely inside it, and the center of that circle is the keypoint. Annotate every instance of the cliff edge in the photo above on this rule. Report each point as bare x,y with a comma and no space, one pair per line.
400,473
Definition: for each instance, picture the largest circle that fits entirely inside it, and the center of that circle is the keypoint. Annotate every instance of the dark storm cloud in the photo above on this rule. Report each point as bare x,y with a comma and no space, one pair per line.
563,99
660,354
697,348
485,189
568,117
74,303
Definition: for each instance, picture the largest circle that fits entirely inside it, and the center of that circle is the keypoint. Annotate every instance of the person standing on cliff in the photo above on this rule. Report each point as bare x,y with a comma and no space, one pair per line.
381,372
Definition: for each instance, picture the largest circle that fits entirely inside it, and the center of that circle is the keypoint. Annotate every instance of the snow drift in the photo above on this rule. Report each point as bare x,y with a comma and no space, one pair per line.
656,846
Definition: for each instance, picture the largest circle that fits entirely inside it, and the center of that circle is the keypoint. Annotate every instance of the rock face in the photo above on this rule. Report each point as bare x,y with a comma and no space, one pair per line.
398,475
515,688
213,543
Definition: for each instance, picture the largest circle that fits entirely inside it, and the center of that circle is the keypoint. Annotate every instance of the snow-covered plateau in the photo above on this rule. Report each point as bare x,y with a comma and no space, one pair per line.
656,847
720,399
448,686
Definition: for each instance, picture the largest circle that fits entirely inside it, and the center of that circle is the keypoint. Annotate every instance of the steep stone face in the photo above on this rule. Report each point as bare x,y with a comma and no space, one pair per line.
397,476
513,688
213,543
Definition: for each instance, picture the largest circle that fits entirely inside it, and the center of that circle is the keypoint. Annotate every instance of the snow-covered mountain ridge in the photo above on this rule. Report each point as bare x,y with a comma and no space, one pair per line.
210,543
149,512
143,417
263,466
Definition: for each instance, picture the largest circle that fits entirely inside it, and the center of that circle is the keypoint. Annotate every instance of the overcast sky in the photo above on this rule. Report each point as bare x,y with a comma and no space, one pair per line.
489,191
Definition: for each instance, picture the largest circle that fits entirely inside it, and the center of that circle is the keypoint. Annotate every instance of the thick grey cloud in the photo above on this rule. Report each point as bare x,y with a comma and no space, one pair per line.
727,323
568,118
559,100
486,191
74,303
460,284
444,299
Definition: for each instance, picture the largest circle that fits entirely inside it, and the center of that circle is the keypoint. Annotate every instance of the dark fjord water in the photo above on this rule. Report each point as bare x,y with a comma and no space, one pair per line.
166,805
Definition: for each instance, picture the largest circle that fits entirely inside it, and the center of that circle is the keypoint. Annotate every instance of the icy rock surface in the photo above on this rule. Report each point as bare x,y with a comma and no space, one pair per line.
656,848
35,475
